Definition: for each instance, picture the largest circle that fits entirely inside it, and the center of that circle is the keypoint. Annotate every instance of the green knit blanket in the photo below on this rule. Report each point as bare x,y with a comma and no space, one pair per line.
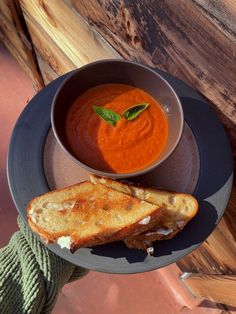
31,276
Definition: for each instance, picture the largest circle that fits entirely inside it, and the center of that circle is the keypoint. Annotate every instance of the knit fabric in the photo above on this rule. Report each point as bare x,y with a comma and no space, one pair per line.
31,276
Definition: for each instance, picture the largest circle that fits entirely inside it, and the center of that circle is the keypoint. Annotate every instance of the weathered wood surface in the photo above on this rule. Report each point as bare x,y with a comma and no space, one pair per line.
14,35
217,288
46,70
194,40
61,36
222,14
48,50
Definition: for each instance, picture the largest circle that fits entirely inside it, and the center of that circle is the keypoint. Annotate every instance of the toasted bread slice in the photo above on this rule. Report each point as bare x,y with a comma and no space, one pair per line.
180,208
88,214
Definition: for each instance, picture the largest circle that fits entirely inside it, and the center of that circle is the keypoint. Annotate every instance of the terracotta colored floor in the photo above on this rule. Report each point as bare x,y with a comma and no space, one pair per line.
158,291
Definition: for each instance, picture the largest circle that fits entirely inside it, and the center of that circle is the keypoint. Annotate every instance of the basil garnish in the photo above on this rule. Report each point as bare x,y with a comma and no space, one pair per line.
108,115
132,112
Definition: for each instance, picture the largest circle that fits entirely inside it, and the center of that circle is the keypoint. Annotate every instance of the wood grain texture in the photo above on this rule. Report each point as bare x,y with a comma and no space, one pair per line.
14,36
222,14
48,50
9,31
36,80
194,40
46,70
66,41
6,11
217,288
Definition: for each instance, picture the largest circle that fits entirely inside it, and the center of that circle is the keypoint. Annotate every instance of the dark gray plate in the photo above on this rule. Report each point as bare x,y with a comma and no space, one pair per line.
27,179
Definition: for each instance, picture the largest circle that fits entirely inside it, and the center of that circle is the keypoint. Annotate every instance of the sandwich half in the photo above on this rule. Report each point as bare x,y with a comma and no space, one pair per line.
179,209
88,214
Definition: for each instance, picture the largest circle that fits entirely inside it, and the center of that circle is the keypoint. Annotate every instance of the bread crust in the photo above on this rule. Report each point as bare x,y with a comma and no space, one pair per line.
145,240
171,223
104,235
165,219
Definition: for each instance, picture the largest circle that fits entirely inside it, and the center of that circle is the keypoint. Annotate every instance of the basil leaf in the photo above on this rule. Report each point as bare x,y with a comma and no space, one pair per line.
132,112
108,115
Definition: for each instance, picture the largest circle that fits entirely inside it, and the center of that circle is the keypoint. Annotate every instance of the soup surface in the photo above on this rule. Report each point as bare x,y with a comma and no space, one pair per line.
126,147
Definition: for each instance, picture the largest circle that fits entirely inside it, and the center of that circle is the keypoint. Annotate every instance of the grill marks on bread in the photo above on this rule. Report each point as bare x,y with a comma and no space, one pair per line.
104,210
89,214
179,209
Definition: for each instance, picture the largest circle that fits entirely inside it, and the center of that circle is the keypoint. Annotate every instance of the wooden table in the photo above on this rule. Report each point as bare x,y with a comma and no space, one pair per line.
193,40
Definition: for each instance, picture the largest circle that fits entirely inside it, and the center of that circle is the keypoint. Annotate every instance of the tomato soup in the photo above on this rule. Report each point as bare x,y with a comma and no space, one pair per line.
128,146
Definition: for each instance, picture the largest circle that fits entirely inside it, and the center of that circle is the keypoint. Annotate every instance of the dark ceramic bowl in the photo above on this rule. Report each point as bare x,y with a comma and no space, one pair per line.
124,72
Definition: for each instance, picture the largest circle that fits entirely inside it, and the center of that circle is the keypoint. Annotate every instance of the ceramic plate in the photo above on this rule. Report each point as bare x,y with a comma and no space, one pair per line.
30,174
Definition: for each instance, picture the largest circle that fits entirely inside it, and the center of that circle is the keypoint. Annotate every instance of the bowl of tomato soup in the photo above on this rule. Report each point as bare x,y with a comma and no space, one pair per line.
117,118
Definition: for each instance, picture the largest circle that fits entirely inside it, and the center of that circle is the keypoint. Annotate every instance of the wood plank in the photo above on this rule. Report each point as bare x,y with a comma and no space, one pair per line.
12,11
36,80
48,50
217,288
10,33
68,31
46,70
5,10
114,20
222,14
199,261
182,37
15,39
222,250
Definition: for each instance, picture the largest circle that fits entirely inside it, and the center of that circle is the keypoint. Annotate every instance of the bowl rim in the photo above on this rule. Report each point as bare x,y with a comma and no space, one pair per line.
105,173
